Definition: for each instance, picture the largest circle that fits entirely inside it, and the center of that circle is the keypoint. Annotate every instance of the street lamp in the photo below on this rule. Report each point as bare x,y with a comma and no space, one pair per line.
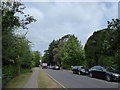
40,62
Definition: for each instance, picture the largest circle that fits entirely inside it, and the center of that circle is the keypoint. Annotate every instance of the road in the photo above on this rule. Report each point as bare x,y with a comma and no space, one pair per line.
70,80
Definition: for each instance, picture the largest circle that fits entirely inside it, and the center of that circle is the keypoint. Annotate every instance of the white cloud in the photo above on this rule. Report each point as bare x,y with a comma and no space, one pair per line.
35,12
55,20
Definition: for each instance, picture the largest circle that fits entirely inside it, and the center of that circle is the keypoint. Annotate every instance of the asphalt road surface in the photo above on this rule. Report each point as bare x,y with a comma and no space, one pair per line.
70,80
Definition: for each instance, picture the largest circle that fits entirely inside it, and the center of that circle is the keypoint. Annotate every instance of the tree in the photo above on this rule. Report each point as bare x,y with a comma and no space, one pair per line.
72,53
102,48
59,47
10,23
49,54
15,48
67,51
97,47
45,58
36,57
115,26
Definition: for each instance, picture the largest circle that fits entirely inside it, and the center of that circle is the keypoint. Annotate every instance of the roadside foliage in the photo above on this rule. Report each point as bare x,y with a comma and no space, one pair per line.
103,47
65,52
16,50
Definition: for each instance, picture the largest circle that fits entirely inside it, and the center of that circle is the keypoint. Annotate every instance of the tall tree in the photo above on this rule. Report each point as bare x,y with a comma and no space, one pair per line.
59,47
97,47
15,48
115,26
102,48
36,57
67,51
11,22
49,54
72,53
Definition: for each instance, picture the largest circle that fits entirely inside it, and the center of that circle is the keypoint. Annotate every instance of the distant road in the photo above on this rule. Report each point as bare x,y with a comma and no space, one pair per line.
69,80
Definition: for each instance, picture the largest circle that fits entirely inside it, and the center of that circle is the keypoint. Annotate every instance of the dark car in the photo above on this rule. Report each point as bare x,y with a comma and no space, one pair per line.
103,72
79,70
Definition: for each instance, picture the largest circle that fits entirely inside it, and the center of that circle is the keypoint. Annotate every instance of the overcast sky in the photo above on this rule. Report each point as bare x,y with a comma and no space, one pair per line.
55,20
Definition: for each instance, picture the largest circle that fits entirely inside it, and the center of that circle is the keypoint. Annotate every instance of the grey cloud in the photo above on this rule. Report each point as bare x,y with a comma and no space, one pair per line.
55,20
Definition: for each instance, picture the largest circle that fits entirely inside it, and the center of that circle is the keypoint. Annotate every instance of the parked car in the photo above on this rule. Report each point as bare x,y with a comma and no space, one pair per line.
44,65
56,68
104,72
50,67
79,70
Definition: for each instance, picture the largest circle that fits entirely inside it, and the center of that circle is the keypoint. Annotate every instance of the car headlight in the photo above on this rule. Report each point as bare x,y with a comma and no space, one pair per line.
115,74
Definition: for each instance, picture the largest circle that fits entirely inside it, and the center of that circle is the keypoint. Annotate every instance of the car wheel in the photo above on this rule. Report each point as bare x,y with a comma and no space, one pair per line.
91,75
108,78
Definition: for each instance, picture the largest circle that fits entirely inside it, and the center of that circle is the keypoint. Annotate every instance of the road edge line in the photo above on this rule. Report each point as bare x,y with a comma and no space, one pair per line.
56,81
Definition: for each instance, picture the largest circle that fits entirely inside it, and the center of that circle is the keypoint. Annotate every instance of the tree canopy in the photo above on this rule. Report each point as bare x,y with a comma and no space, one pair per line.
16,50
103,47
66,51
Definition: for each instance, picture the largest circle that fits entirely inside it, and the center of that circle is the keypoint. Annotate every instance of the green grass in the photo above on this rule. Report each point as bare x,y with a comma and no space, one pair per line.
44,81
19,81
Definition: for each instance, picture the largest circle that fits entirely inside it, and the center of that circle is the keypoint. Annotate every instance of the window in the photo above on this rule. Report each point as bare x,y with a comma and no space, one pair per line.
95,67
74,67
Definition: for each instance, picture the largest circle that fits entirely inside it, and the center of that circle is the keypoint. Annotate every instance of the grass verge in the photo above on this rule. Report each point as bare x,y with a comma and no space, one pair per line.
44,81
19,81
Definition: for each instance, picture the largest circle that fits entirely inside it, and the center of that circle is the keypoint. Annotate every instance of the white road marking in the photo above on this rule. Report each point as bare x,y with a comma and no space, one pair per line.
56,81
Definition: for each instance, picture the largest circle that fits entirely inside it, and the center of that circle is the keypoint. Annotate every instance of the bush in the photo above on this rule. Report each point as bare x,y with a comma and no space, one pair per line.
25,70
10,71
65,66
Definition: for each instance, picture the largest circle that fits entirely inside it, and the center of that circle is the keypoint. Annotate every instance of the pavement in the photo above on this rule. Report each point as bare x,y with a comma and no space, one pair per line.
69,80
32,82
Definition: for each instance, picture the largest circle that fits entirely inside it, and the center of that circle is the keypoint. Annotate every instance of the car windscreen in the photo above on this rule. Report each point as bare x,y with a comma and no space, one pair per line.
74,67
111,69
